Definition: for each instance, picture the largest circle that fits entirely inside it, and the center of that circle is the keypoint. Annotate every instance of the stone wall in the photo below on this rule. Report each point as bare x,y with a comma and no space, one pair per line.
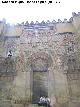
39,47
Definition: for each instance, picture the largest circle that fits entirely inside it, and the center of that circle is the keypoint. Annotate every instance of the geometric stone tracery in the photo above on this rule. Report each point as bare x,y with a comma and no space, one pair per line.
40,61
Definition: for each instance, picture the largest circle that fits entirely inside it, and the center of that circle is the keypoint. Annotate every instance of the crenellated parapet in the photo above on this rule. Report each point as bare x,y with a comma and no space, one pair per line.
71,25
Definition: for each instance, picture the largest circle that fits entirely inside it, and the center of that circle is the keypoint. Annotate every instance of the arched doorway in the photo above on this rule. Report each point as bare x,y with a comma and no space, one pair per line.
40,62
40,79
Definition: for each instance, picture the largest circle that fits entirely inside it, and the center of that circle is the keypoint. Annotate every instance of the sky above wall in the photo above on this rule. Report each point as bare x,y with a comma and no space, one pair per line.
19,12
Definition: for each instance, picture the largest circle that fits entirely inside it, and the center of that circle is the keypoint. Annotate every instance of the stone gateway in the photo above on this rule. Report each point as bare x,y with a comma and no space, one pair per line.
40,59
